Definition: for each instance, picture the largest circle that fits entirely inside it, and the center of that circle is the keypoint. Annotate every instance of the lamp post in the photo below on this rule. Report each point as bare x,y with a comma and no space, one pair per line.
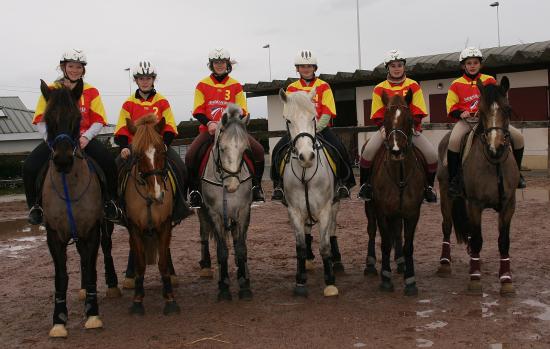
496,4
268,47
129,78
358,34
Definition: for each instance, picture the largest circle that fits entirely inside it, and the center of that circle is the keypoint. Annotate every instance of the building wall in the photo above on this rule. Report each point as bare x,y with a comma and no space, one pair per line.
18,146
275,120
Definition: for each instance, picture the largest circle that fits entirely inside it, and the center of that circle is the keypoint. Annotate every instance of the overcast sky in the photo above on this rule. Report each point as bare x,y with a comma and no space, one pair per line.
177,36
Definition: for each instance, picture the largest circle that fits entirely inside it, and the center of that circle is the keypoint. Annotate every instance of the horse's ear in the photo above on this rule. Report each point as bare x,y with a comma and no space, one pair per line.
480,86
409,97
385,99
505,84
312,93
44,89
246,119
160,125
130,126
283,96
225,117
77,90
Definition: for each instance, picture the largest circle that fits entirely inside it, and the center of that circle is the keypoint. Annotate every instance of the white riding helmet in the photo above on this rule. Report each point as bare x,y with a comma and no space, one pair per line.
144,68
305,57
219,54
392,56
74,55
470,52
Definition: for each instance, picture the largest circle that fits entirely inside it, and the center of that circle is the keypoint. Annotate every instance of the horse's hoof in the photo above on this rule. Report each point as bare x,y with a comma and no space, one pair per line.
310,266
93,322
224,295
58,331
400,268
171,308
245,294
338,268
474,287
507,289
137,308
444,270
129,283
411,290
174,280
370,270
386,286
81,294
300,291
330,291
206,273
113,292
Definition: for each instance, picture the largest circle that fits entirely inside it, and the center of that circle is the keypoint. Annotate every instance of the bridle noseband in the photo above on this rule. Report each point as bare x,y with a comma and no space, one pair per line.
398,131
220,169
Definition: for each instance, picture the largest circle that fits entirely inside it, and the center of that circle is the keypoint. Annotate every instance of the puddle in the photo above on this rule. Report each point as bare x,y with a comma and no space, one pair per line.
432,326
423,343
424,313
17,228
359,345
534,303
17,236
485,308
535,194
424,301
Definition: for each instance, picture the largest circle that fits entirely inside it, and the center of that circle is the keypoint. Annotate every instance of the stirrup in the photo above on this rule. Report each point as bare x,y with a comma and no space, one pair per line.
522,184
430,195
365,192
194,201
110,206
36,215
278,194
257,194
342,192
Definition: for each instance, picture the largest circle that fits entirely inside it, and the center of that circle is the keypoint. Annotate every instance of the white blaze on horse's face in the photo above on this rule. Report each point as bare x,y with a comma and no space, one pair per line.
395,124
300,115
493,146
150,153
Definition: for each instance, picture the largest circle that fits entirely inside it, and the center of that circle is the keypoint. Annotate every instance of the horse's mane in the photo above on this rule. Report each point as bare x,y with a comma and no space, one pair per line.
300,100
146,134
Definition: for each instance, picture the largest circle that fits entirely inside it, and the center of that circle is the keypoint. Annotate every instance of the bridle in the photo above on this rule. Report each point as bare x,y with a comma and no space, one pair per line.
398,131
220,169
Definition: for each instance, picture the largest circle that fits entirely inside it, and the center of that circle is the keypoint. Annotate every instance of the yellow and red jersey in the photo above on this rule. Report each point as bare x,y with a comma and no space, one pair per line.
324,99
90,105
136,107
464,95
211,98
417,107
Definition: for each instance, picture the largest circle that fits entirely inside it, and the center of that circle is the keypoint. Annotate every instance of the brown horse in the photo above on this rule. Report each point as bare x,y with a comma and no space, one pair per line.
398,186
72,204
490,177
149,201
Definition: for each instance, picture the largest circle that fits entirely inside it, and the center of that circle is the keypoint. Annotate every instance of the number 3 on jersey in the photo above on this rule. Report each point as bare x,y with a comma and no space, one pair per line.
227,95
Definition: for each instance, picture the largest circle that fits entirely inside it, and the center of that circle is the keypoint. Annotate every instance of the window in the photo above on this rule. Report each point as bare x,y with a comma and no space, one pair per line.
529,103
2,113
367,104
438,108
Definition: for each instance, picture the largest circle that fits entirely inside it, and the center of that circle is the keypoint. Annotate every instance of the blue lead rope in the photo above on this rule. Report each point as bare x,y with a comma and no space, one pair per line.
69,208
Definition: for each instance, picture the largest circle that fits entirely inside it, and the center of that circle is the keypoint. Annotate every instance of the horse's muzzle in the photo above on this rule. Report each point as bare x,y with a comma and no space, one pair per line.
306,159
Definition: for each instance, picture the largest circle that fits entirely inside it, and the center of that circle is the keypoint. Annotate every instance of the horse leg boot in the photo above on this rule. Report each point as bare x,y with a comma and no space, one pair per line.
408,250
300,289
88,249
171,270
365,192
58,252
223,282
110,274
205,262
309,252
455,183
386,284
504,273
518,155
130,273
337,265
138,251
170,305
243,275
429,193
328,271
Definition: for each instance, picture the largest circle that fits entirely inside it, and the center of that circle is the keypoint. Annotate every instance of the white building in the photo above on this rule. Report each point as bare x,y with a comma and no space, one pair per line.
527,66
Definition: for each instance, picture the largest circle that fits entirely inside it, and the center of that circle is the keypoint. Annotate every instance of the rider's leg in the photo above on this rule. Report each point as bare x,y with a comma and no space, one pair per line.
105,159
518,146
374,143
430,154
460,129
276,158
345,172
36,160
258,158
180,209
192,162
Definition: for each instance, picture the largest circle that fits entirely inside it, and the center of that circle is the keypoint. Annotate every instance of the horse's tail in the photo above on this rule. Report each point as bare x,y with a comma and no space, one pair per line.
151,244
460,219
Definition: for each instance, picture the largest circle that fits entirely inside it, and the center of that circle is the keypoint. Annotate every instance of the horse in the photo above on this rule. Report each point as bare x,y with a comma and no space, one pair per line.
309,187
490,176
226,187
72,203
398,187
149,200
370,262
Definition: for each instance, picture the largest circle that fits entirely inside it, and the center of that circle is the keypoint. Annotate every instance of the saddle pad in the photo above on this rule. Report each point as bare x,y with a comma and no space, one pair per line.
124,174
468,144
328,155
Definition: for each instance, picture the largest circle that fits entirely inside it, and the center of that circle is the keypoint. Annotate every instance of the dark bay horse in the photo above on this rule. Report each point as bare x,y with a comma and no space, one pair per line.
149,200
72,204
398,186
490,177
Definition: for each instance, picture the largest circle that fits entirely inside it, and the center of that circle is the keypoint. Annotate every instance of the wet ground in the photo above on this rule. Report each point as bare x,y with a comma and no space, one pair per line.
443,315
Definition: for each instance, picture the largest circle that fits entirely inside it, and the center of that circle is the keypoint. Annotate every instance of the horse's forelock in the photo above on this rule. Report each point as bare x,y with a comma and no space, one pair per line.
146,134
301,101
62,111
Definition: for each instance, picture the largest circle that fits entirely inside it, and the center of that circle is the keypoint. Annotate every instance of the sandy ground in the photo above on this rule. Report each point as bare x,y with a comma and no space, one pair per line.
443,315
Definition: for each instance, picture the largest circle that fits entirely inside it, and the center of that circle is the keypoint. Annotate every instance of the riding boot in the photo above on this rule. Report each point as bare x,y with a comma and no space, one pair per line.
365,192
35,215
342,191
455,184
518,155
429,193
195,196
257,191
111,211
181,208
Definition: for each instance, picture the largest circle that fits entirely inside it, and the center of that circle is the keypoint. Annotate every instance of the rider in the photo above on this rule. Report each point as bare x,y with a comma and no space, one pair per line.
73,66
305,63
144,101
397,83
212,95
462,104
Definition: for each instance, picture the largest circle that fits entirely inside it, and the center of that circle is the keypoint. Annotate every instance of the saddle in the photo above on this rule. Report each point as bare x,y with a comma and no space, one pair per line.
466,144
282,158
124,169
